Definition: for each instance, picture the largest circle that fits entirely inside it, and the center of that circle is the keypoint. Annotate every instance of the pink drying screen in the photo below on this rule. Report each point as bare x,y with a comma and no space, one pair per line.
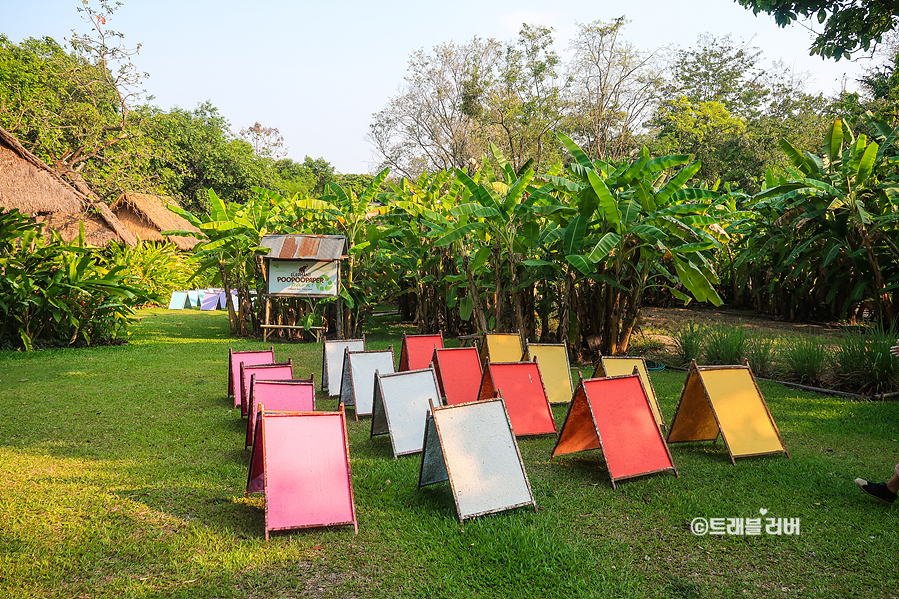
281,372
250,359
307,474
278,396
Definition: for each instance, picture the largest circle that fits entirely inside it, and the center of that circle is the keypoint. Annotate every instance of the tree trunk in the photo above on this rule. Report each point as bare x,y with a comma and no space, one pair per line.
564,307
480,316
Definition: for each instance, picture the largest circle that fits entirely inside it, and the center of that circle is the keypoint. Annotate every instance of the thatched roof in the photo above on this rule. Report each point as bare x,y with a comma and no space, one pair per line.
148,215
32,187
29,185
96,231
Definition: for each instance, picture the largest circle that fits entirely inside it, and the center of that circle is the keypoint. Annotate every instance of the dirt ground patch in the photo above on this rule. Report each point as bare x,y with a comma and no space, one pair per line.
658,324
669,319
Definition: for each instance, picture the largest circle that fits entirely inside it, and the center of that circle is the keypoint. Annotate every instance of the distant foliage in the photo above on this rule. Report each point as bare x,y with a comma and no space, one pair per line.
53,293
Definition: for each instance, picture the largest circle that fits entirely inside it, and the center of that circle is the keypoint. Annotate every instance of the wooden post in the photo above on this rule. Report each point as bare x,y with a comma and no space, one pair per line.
265,329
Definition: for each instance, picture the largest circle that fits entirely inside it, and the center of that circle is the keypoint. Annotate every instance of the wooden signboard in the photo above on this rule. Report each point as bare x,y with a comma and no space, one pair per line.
472,446
301,462
614,415
726,400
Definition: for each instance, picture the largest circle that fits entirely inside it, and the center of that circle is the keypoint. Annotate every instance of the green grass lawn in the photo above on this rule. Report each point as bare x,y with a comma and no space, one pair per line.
124,471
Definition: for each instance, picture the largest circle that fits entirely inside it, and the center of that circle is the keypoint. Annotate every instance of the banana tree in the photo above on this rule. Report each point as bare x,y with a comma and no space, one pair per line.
230,235
497,219
354,216
844,204
419,214
636,226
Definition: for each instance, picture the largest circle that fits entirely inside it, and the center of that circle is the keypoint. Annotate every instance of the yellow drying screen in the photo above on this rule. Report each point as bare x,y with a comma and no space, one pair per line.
504,348
553,363
741,411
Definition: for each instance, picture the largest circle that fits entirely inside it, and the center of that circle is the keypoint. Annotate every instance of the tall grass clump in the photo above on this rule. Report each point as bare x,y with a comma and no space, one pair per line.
688,342
761,353
863,362
724,344
807,359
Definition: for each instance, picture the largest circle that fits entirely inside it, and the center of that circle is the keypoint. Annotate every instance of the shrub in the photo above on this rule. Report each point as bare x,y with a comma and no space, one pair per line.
806,359
160,268
724,345
645,345
54,293
761,353
688,342
864,364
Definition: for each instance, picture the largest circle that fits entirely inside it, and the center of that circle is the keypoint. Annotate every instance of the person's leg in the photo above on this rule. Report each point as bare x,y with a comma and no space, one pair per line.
893,484
882,492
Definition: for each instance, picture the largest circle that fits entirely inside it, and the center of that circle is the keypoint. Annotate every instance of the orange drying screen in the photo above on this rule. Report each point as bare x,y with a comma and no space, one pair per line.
631,441
459,374
524,395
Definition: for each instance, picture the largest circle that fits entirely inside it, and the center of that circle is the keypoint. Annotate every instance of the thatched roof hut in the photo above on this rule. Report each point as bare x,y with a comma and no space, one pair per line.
32,187
29,185
148,215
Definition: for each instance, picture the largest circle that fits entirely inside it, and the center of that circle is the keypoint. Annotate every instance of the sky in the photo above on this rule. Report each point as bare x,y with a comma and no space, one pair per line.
319,70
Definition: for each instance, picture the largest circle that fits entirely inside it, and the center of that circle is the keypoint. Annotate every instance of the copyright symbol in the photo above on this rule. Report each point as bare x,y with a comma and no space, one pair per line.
699,526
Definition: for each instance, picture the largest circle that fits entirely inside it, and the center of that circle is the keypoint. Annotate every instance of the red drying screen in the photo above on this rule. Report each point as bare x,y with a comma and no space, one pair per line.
631,441
418,350
522,390
458,374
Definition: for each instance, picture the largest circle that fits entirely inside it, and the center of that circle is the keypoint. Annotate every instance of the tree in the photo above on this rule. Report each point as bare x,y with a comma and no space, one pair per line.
637,226
730,114
526,104
74,109
433,124
849,25
614,89
267,142
195,152
843,203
